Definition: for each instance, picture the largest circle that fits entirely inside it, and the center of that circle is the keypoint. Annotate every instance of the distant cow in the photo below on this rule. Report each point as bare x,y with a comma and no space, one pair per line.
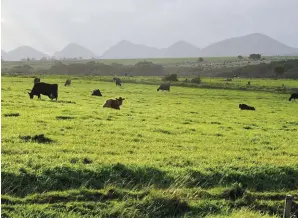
111,103
164,87
96,92
68,82
293,96
117,81
246,107
51,90
36,80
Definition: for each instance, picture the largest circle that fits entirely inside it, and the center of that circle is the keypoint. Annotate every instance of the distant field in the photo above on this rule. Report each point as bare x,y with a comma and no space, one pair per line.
189,152
163,61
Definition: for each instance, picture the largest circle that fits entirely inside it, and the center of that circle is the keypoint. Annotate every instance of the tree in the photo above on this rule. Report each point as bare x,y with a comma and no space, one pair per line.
240,57
255,57
279,71
200,59
196,80
172,77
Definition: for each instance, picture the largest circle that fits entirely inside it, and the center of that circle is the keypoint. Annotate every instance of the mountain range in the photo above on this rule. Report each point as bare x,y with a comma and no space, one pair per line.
243,45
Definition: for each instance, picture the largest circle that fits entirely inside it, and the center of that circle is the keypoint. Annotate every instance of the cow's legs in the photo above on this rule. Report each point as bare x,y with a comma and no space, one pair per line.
38,96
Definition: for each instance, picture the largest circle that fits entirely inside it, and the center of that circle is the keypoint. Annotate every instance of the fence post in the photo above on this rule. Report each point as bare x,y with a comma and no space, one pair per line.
288,206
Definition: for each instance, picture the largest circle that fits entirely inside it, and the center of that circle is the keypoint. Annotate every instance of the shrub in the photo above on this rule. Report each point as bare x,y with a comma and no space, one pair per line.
171,77
196,80
255,57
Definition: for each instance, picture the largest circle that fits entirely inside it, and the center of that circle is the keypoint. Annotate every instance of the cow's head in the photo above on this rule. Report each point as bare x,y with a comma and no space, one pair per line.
31,95
120,99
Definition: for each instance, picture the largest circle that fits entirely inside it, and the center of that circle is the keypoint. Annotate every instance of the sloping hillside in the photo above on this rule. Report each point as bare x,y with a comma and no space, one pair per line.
73,50
245,45
24,52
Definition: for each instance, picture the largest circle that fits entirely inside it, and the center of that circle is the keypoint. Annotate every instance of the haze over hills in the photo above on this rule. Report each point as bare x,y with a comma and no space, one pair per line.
243,45
74,50
181,49
126,49
23,52
3,54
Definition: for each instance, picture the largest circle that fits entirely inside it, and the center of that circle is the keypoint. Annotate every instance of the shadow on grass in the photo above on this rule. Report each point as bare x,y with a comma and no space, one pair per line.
65,178
12,115
37,138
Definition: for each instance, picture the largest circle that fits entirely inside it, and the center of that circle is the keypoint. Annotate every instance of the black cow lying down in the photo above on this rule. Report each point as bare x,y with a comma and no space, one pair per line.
293,96
246,107
164,87
96,92
111,103
51,90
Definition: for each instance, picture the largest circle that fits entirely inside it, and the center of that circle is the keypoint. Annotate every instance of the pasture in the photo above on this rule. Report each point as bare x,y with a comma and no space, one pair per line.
190,152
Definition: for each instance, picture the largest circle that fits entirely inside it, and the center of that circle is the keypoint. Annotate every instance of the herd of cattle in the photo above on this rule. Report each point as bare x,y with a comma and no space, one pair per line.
51,90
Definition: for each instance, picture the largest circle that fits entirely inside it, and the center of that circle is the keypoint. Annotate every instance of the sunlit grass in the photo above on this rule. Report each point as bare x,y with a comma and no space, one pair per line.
185,138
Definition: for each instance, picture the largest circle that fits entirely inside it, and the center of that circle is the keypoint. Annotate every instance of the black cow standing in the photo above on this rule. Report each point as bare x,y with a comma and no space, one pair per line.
246,107
117,81
68,82
164,87
293,96
51,90
36,80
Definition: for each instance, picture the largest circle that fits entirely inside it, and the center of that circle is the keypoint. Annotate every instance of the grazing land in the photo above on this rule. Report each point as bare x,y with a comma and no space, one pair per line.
190,152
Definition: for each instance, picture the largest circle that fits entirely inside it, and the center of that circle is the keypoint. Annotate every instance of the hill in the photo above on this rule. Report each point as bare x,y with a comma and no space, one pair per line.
126,49
73,50
3,54
181,49
245,45
23,52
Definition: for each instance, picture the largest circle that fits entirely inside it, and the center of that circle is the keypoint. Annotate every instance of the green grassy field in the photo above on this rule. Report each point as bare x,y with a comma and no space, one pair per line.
186,153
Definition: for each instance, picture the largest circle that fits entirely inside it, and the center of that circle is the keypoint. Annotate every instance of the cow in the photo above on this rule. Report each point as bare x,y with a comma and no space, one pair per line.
36,80
68,82
51,90
117,81
164,87
115,104
293,96
96,92
246,107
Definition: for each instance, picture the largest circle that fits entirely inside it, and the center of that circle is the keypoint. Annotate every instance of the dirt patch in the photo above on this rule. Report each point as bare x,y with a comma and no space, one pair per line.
67,102
64,118
37,138
12,115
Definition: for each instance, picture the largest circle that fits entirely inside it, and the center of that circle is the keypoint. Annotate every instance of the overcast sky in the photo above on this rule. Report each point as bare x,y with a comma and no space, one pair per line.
98,24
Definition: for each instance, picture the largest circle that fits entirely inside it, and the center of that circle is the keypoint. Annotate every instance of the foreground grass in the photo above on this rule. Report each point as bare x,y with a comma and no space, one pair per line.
189,152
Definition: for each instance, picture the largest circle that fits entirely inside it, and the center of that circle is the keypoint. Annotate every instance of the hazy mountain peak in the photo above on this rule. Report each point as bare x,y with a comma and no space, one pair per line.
248,44
182,43
73,50
23,52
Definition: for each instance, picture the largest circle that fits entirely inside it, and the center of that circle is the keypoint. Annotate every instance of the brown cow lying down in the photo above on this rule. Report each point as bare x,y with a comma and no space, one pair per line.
246,107
111,103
